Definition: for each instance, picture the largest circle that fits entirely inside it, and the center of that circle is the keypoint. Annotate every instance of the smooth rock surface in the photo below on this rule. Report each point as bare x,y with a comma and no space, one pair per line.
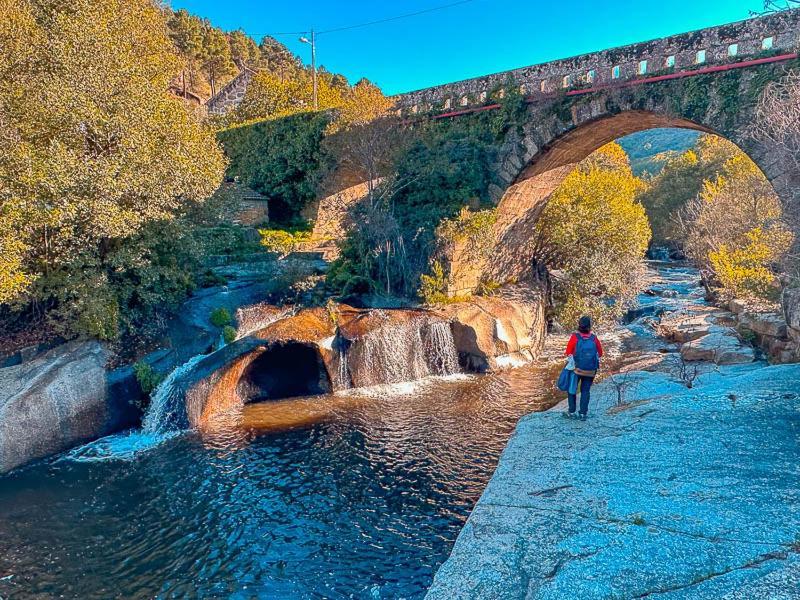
720,346
492,332
685,326
769,324
57,401
682,494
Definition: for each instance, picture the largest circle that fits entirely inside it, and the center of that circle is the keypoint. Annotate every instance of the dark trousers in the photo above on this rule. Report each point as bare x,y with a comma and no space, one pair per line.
585,384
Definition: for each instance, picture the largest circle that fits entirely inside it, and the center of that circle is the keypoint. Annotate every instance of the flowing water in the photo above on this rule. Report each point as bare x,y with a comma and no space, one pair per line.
360,494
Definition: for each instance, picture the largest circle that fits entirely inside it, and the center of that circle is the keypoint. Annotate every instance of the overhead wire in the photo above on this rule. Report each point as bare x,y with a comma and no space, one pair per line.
367,23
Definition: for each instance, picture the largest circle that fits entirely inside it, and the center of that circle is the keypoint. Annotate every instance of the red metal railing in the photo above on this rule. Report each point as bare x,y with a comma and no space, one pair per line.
633,82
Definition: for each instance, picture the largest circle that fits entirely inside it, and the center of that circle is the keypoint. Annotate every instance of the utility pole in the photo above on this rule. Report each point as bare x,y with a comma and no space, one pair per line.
313,43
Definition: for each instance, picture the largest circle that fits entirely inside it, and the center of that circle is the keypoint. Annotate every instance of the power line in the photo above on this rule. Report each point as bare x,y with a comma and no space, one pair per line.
396,18
368,23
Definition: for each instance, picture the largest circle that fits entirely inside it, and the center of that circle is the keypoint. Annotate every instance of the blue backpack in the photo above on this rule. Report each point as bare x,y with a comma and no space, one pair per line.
586,358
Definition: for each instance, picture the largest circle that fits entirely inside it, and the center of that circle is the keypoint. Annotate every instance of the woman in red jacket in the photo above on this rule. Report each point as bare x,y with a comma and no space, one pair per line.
587,350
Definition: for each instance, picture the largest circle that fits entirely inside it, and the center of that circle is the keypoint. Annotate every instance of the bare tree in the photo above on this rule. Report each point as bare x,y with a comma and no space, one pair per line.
684,370
773,6
623,382
777,119
367,151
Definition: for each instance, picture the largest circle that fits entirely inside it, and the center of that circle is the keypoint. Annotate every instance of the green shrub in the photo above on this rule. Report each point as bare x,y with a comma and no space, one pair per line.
283,159
229,334
433,288
209,279
147,377
220,317
488,288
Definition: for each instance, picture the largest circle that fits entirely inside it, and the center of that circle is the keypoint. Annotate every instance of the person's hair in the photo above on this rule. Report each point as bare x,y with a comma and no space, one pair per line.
585,324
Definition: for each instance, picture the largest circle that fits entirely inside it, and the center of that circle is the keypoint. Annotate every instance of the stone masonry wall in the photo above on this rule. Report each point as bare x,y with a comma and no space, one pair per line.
230,96
767,35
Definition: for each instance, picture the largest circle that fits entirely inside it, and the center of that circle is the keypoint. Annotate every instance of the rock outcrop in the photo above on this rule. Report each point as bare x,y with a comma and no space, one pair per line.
493,333
57,401
643,500
685,326
721,346
318,350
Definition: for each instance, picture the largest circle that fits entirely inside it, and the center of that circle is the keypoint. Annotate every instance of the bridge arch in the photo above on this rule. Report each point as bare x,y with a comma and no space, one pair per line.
538,160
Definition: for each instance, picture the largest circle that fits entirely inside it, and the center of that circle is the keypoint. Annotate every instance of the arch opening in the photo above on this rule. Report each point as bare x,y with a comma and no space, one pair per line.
285,370
521,204
582,216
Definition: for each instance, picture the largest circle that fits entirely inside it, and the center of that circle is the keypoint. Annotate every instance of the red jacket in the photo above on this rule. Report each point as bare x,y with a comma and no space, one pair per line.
573,341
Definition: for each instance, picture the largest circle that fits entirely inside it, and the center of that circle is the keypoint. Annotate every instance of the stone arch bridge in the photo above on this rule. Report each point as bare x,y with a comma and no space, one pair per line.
707,80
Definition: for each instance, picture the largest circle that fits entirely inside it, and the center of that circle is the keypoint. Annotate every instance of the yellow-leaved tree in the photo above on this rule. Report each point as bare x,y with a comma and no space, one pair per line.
735,230
593,234
92,147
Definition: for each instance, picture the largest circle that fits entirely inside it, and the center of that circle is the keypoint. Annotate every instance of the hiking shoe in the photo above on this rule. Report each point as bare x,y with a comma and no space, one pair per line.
569,415
582,417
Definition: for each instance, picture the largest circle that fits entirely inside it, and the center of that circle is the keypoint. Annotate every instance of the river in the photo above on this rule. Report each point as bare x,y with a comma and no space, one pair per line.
355,495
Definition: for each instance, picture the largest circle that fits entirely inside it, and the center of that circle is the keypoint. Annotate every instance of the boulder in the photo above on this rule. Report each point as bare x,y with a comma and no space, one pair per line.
721,346
791,311
767,324
684,327
737,306
56,401
493,333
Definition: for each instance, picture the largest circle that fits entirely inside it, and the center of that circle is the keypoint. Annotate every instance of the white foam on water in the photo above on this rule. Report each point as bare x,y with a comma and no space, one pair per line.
404,388
125,446
507,361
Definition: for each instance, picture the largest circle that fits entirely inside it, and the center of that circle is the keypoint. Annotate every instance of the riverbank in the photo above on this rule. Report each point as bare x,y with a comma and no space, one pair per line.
680,493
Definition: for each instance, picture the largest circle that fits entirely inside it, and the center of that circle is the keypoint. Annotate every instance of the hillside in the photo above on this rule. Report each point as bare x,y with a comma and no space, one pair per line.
649,150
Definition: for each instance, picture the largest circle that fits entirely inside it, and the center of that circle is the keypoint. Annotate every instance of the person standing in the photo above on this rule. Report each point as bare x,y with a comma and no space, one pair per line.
586,349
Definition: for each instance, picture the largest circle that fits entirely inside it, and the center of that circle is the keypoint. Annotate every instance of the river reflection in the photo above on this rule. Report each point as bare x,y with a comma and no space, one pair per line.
352,495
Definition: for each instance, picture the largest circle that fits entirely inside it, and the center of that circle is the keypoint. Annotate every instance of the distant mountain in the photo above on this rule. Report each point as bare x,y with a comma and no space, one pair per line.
648,150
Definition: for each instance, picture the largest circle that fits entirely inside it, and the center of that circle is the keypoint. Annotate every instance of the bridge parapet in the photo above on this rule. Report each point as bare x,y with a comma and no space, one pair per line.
769,35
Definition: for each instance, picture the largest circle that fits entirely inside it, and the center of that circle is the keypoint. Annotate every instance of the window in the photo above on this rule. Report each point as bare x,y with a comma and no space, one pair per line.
733,50
767,43
700,57
670,61
642,67
447,103
591,76
615,72
523,89
482,97
464,100
567,81
543,85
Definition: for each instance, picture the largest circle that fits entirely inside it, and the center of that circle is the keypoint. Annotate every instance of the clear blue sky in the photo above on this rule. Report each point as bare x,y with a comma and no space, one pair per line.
467,40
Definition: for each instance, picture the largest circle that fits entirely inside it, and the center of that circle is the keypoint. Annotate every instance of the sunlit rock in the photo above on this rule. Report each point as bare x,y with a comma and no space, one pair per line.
721,346
56,401
492,333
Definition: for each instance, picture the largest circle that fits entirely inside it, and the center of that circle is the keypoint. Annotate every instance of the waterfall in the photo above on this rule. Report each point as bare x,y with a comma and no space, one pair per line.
167,410
401,352
393,354
342,376
442,355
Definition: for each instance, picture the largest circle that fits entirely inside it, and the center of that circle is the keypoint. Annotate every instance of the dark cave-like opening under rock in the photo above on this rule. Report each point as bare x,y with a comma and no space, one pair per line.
285,371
